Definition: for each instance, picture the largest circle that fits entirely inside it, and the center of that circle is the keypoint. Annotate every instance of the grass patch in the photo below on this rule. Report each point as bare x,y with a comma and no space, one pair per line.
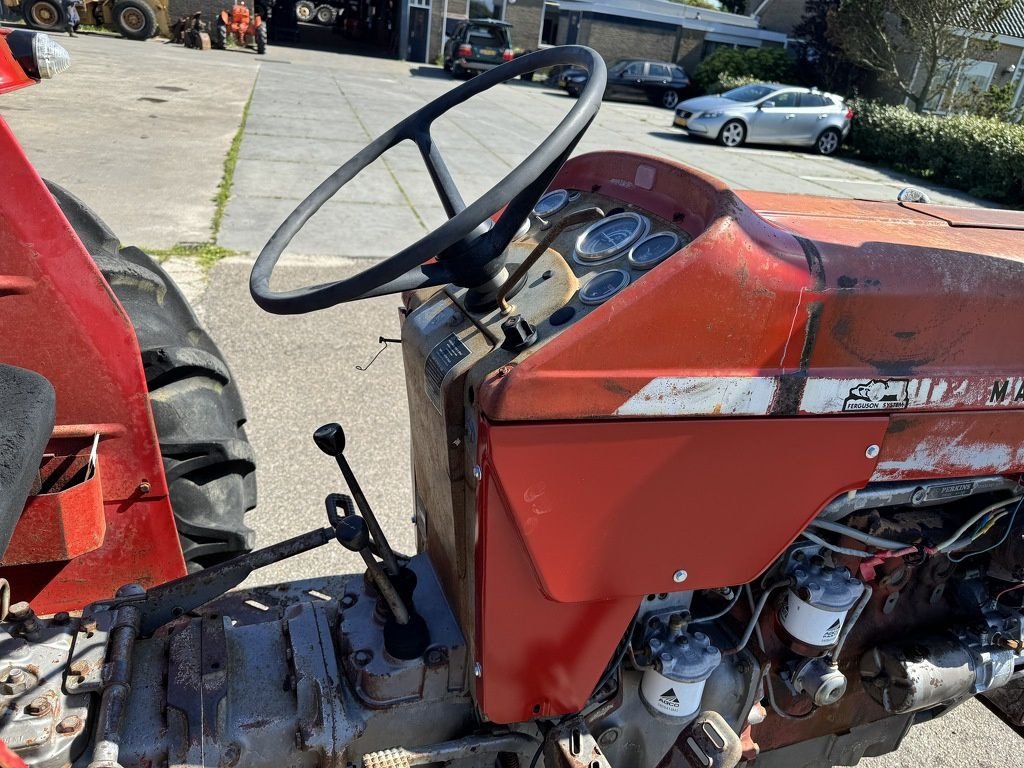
207,254
228,177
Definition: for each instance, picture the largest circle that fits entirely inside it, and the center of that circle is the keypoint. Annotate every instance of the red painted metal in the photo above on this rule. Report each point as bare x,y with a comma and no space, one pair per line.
615,508
59,317
12,76
577,521
539,658
65,521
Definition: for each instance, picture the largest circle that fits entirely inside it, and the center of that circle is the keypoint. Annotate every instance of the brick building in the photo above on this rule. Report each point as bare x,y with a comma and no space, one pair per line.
657,29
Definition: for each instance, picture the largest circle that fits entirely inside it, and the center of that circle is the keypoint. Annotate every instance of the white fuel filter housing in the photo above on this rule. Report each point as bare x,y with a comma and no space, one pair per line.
683,663
817,603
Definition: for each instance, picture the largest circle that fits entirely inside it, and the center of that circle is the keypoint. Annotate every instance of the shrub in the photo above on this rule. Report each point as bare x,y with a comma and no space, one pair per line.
728,82
979,155
770,64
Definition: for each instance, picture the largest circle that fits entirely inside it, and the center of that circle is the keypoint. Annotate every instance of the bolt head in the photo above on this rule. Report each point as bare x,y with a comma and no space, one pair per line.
38,706
71,724
679,576
19,611
872,451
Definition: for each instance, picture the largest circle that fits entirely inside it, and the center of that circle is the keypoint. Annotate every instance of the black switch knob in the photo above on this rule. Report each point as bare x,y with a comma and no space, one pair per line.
519,333
330,438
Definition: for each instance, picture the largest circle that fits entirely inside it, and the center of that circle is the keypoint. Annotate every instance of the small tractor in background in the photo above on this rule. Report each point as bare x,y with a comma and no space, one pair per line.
248,28
134,19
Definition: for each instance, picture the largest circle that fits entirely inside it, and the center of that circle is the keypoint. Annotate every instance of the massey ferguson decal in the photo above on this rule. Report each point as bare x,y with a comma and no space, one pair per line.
877,395
1006,391
755,395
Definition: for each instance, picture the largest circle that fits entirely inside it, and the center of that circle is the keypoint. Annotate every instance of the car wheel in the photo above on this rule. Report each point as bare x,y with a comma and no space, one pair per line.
134,19
44,14
304,10
828,142
733,134
447,65
669,99
325,14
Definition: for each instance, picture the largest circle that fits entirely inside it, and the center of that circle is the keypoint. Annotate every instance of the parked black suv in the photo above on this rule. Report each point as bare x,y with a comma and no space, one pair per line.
659,82
477,45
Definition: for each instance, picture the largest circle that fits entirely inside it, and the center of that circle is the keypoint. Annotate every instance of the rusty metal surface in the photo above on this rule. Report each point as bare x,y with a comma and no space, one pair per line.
571,745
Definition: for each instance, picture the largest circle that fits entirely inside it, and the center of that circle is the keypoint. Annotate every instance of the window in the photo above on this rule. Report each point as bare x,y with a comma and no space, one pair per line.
549,29
748,93
487,36
634,69
660,71
814,100
786,99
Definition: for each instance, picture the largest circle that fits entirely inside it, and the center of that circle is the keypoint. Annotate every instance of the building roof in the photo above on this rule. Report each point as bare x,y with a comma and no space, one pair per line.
1010,23
738,28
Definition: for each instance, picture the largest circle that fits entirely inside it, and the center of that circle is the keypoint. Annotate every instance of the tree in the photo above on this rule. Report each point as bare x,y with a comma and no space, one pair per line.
821,62
916,46
735,6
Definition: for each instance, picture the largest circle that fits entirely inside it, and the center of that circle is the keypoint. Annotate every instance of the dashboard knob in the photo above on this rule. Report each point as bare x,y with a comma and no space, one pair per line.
519,333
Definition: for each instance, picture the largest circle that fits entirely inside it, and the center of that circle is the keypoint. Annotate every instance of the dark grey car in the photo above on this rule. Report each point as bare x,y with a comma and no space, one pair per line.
658,82
768,113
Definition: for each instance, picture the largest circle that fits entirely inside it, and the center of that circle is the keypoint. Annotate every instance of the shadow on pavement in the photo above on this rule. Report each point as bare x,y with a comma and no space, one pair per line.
437,73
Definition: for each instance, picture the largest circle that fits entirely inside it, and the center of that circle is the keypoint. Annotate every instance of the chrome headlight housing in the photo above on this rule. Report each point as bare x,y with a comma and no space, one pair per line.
50,57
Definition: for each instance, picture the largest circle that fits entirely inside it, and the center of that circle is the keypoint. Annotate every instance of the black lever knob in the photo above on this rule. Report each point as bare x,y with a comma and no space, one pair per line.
352,533
330,438
519,333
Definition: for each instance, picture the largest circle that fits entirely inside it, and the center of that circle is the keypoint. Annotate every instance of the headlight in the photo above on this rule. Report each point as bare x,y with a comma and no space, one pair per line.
37,53
712,114
51,58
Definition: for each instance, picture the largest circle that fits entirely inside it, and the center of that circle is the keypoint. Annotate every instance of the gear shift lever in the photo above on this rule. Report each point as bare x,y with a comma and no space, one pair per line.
406,634
330,438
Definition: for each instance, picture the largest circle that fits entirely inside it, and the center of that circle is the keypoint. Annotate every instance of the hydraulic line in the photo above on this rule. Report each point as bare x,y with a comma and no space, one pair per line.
853,533
758,609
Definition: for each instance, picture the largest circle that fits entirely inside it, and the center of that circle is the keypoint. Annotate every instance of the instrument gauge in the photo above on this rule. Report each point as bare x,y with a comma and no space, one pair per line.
654,249
551,203
607,238
603,286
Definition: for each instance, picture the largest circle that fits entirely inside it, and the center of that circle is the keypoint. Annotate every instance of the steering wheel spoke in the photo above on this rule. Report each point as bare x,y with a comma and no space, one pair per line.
442,178
468,250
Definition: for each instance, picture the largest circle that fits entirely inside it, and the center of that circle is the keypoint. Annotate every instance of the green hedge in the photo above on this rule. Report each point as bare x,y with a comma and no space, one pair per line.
979,155
770,64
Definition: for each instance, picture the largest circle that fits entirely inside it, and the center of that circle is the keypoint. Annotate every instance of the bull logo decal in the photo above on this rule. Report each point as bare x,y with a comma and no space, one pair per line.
877,395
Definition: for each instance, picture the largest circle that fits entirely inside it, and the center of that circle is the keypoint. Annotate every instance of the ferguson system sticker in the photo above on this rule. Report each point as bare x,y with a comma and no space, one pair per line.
877,395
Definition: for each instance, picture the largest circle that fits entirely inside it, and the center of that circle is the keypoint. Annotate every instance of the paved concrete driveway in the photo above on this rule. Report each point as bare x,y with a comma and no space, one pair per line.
310,112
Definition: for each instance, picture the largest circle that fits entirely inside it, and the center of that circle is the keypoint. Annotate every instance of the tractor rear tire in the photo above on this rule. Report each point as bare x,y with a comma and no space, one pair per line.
196,405
134,19
47,15
261,38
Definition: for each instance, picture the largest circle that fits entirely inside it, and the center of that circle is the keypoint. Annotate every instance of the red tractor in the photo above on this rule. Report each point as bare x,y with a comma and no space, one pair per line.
245,28
702,478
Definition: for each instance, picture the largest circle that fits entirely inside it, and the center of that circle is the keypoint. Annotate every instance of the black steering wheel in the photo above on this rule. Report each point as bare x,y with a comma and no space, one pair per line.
469,250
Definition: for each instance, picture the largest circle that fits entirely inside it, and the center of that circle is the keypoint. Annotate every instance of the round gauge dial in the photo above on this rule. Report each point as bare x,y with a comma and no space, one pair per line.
604,285
551,203
608,237
654,249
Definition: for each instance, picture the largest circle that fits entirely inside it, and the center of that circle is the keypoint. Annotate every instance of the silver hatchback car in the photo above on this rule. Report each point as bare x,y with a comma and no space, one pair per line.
767,113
